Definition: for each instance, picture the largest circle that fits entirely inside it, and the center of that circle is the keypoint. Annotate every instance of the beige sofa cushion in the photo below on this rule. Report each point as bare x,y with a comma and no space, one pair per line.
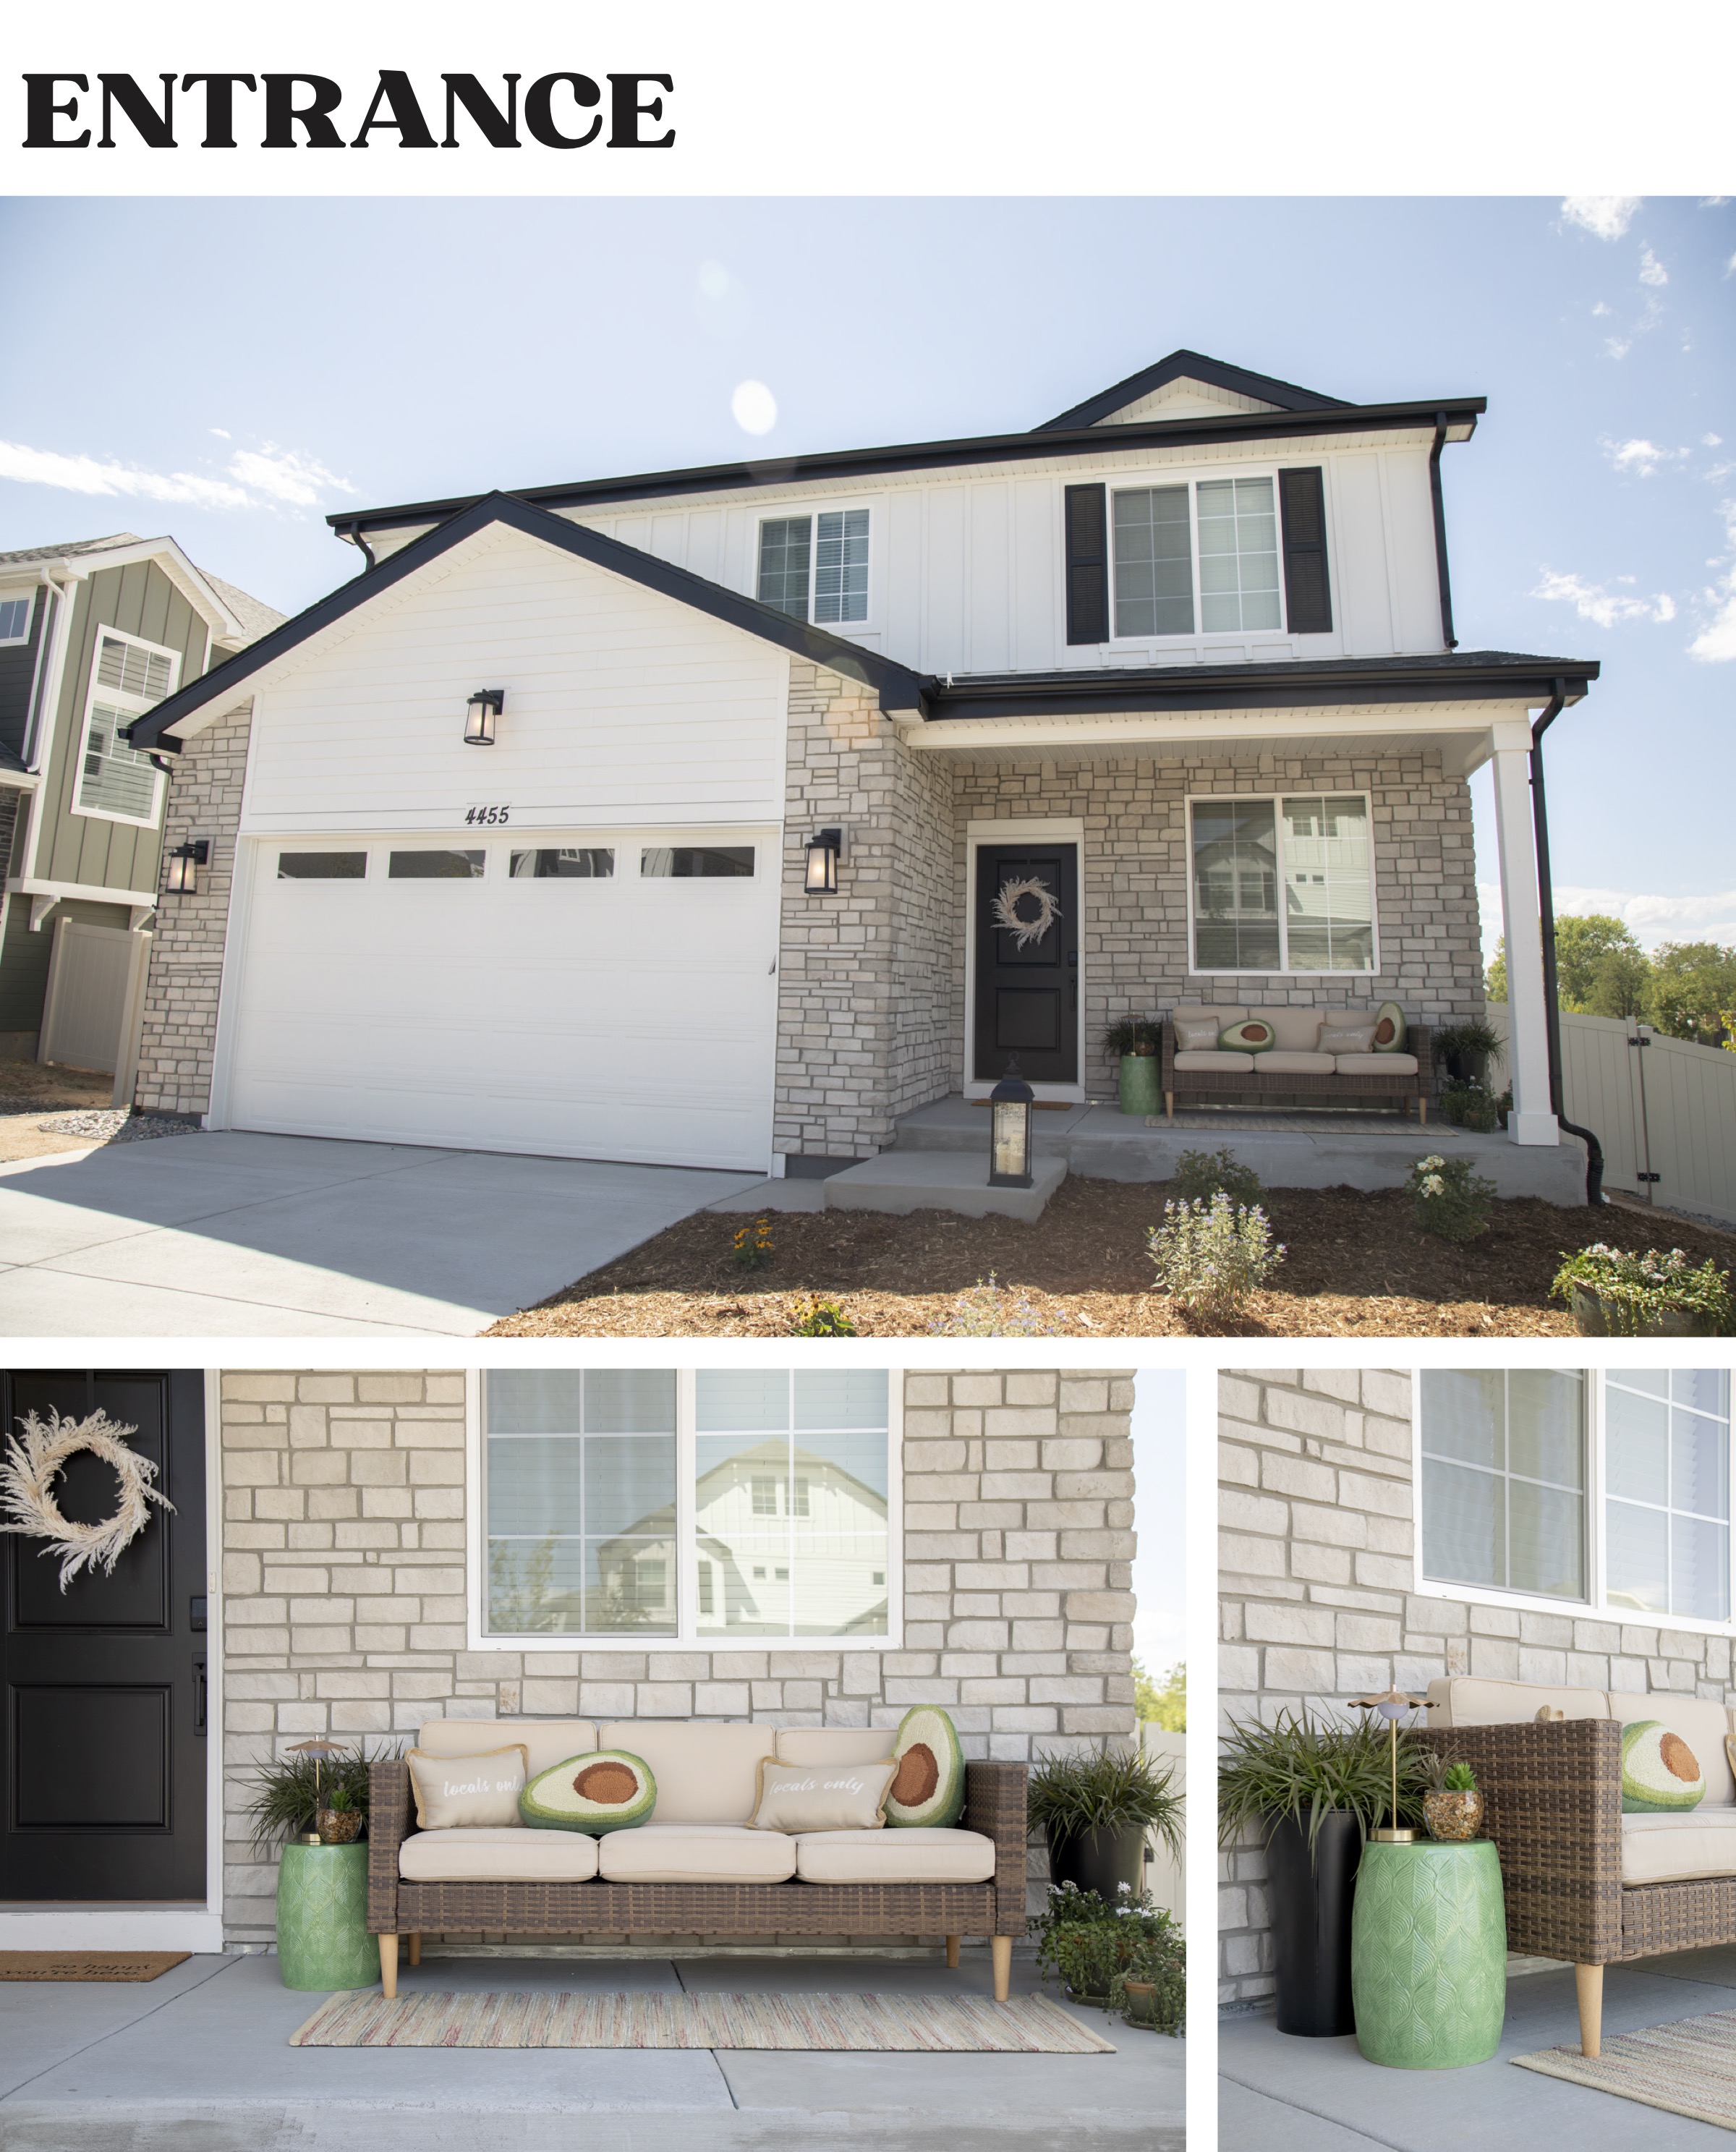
1702,1724
506,1855
834,1744
1293,1030
1464,1700
546,1741
1671,1849
697,1853
1216,1060
914,1855
1376,1064
704,1774
1283,1061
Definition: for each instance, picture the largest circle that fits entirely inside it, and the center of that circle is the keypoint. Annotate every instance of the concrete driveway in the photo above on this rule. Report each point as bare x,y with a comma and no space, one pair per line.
256,1235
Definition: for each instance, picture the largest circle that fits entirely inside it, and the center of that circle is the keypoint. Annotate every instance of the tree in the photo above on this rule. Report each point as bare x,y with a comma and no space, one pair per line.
1693,984
1621,982
1581,946
1495,980
1164,1706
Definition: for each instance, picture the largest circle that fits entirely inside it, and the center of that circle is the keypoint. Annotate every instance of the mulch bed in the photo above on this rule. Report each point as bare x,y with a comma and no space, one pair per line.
1358,1266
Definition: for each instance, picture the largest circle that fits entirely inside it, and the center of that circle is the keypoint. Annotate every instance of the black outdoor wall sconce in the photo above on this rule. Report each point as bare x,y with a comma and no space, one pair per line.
184,864
482,716
825,847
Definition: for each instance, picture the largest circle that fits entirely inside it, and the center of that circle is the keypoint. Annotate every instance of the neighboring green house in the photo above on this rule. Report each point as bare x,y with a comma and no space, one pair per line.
92,635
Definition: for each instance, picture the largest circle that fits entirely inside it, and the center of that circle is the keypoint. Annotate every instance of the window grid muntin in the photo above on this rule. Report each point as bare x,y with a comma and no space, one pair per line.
1280,803
1143,484
786,564
817,568
127,678
1628,1383
1506,1475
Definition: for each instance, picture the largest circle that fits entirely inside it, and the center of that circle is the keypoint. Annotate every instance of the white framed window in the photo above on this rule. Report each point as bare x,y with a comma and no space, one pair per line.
1201,557
1281,882
1607,1490
816,567
710,1509
15,620
117,783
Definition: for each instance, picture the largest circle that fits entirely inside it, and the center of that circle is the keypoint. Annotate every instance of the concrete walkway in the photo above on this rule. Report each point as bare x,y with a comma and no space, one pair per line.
256,1235
199,2061
1321,2096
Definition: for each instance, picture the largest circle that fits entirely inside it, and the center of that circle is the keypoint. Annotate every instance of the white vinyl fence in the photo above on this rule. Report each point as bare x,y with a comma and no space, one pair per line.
95,1002
1664,1110
1166,1878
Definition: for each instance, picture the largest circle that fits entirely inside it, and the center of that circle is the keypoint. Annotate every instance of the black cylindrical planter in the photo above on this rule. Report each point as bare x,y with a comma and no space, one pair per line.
1311,1902
1100,1860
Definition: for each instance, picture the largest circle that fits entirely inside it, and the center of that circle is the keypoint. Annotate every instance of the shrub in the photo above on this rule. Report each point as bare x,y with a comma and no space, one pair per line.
1131,1034
820,1318
1638,1290
1211,1256
995,1311
1450,1200
1200,1174
1475,1041
1469,1106
1072,1795
1300,1769
1095,1948
752,1246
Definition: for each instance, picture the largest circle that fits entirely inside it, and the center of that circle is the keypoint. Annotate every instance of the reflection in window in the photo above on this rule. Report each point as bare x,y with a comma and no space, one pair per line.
1317,848
711,862
1504,1479
1235,885
1238,555
322,866
435,866
1328,889
1667,1478
1153,563
583,863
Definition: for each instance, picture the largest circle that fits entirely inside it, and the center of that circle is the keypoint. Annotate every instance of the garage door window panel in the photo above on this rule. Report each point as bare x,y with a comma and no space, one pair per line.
696,862
322,866
580,863
436,866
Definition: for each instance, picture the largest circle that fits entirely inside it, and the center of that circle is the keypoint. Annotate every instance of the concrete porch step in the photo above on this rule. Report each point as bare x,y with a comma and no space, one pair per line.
901,1181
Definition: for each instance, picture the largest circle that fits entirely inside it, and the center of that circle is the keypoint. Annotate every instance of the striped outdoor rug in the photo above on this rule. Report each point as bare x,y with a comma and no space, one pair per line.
1029,2025
1688,2067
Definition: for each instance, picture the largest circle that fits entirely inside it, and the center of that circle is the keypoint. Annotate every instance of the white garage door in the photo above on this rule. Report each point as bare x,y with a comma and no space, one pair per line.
578,996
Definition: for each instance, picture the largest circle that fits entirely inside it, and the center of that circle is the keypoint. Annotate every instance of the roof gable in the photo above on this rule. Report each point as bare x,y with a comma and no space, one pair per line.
1188,385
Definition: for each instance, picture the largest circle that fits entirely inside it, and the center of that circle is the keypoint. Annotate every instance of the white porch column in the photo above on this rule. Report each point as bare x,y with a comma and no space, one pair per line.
1531,1120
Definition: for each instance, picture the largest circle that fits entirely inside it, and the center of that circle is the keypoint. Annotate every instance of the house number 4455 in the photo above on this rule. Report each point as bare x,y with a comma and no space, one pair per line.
487,818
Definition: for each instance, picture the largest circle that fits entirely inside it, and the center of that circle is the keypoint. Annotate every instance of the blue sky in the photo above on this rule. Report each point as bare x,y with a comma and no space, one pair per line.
229,370
1160,1569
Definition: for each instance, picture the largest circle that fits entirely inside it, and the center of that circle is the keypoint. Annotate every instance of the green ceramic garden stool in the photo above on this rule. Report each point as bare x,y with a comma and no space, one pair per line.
323,1938
1429,1954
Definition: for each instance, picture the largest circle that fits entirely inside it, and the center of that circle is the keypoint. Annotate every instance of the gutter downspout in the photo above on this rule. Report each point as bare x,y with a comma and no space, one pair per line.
1441,423
1546,906
354,536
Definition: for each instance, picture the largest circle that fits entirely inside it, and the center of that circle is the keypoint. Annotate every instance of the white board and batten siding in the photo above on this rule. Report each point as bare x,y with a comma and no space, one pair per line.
631,1016
1675,1116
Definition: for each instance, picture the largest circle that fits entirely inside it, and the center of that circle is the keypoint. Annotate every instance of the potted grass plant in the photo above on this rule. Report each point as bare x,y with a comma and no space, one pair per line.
313,1801
1094,1810
1312,1791
1468,1049
1133,1042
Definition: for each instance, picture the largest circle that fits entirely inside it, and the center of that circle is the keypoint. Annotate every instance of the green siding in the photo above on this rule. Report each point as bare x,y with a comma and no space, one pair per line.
139,600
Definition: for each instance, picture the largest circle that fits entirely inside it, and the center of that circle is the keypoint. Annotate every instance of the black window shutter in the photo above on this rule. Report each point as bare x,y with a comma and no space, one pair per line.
1307,589
1088,564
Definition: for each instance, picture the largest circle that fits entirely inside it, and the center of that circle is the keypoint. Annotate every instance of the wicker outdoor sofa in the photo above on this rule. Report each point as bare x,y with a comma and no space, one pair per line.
1292,1067
1584,1882
534,1882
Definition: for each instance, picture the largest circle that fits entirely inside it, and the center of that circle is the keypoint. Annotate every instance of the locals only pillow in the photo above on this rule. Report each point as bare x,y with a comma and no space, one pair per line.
468,1792
1661,1774
822,1796
603,1790
1345,1037
1196,1035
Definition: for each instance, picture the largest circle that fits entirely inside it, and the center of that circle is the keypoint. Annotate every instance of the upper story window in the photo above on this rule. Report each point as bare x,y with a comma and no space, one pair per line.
14,620
817,568
1610,1490
129,678
1284,884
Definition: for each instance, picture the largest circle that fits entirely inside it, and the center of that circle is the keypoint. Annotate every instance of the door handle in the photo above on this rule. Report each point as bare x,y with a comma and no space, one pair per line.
199,1696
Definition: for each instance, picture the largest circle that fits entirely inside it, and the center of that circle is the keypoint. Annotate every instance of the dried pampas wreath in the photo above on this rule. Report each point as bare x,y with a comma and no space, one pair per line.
1012,894
27,1494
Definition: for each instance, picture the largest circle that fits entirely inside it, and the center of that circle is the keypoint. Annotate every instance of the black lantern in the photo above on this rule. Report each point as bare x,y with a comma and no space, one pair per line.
825,848
184,861
482,715
1009,1130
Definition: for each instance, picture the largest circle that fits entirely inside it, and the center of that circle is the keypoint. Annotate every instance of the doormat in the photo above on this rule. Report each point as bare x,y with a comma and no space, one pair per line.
87,1964
1029,2025
1688,2067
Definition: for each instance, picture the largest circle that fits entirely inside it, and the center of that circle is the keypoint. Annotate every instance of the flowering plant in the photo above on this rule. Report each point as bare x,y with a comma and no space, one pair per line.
1094,1947
752,1246
1635,1291
1211,1256
1449,1199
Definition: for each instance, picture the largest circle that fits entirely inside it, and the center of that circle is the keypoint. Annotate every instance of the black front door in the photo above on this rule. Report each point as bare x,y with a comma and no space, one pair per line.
103,1740
1028,997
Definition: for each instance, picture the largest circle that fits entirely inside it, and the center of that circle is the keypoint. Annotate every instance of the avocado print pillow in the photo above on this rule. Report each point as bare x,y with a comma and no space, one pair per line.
928,1783
1661,1775
603,1790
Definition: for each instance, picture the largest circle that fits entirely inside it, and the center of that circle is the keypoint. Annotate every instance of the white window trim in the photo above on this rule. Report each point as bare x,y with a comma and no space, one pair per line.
136,706
813,510
1297,792
688,1638
1193,478
1594,1607
28,599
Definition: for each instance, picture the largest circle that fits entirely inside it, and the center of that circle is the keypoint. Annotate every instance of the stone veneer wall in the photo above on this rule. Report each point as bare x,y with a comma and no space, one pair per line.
1316,1565
865,1016
344,1585
1134,943
178,1043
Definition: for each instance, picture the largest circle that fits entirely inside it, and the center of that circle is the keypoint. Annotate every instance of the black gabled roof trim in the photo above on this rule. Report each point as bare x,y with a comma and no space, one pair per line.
897,687
941,455
1192,366
1456,676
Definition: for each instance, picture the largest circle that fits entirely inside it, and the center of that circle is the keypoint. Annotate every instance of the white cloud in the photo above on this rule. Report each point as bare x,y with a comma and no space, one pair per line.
1652,270
1651,314
1639,459
286,476
222,433
1712,440
754,408
1651,920
1600,308
1605,216
86,474
1716,643
1598,602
